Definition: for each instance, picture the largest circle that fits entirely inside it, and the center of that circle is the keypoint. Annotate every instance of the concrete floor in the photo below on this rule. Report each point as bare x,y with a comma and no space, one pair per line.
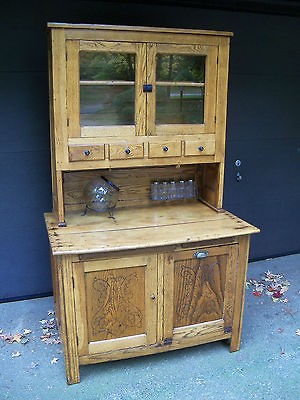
266,367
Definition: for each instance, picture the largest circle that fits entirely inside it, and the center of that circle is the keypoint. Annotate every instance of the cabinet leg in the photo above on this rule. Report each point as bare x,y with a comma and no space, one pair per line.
68,321
238,310
72,369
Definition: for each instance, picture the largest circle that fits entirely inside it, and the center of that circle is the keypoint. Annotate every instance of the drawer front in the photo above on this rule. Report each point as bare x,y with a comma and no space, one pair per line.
123,152
199,147
86,153
168,149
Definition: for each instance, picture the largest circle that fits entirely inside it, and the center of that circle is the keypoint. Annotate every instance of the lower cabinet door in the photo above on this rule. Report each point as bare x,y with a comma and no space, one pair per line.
116,303
199,294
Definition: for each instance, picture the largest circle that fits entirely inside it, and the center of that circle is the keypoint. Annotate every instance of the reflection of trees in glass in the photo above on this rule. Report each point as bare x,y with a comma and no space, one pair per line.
180,68
107,66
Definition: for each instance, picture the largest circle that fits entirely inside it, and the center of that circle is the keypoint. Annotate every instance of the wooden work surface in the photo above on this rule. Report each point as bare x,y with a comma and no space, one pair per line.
139,228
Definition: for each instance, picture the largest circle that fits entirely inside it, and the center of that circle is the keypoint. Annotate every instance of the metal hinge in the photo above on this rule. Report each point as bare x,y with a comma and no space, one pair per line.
227,329
167,341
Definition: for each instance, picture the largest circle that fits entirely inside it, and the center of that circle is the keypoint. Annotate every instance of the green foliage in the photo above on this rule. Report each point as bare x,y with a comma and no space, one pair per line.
107,66
180,68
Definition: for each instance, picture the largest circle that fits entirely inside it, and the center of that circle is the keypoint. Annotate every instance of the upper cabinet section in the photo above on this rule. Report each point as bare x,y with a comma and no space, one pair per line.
140,88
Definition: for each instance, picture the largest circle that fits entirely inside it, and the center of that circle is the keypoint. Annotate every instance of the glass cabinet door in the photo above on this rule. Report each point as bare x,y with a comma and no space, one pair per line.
183,100
109,95
137,89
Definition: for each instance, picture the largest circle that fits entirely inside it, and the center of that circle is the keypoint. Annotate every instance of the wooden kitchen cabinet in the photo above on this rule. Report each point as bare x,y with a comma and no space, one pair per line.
137,105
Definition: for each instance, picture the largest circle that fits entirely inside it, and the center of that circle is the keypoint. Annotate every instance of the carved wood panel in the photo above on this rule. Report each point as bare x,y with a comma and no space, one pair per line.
199,290
115,303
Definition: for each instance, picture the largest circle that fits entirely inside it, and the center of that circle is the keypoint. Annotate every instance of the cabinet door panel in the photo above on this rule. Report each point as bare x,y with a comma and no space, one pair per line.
184,96
116,303
104,88
199,291
114,308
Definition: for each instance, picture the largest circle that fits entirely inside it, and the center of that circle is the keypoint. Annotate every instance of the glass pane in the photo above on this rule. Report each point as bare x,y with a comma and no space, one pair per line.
106,105
104,66
110,101
180,68
179,105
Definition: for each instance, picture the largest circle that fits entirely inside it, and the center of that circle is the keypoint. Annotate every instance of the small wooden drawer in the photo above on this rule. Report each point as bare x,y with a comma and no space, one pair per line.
123,152
168,149
86,153
199,147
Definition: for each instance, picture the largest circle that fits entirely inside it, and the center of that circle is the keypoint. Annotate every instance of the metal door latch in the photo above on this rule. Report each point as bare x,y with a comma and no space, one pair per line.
200,254
238,177
147,88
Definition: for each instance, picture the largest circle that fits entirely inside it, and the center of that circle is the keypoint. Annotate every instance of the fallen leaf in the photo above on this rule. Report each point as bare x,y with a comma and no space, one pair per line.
24,340
17,337
54,360
26,331
277,294
15,354
257,294
298,332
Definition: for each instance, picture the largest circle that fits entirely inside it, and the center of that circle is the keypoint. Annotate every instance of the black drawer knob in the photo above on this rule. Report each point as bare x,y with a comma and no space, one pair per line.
87,152
165,148
200,148
127,150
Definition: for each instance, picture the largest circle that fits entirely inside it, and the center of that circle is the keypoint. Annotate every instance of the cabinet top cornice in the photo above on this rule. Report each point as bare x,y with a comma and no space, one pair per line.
55,25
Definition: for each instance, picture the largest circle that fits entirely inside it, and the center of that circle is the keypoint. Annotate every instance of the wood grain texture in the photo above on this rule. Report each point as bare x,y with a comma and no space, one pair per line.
116,303
134,183
137,29
73,88
199,293
114,307
83,153
151,227
199,290
69,325
241,275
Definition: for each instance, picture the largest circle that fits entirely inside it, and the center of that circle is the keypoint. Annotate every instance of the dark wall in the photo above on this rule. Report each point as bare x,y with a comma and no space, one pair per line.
263,126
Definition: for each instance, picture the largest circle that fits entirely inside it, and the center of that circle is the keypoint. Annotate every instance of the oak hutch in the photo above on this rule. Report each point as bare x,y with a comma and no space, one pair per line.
140,105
